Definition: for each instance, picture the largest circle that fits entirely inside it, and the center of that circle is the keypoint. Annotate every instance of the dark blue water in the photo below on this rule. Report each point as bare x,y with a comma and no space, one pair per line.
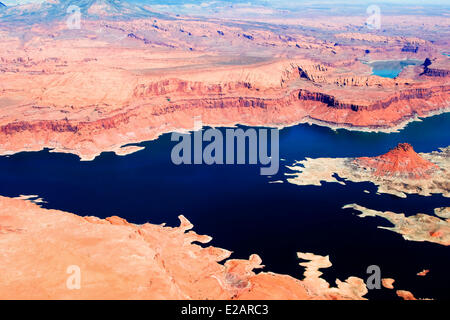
244,213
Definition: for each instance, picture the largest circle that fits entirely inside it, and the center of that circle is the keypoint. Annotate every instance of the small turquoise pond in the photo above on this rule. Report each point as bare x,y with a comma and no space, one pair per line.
391,68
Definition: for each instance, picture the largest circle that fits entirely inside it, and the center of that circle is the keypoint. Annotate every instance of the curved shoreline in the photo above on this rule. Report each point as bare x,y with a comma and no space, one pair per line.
398,181
121,260
130,145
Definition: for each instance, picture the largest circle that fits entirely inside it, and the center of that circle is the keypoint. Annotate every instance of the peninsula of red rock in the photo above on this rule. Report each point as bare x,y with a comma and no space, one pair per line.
399,172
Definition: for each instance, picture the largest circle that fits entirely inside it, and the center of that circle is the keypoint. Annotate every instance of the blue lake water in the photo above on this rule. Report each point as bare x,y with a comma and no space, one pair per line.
391,68
244,213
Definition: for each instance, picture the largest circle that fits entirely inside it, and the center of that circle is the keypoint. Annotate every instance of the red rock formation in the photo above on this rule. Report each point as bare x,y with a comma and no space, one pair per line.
438,68
177,86
388,283
401,161
383,39
406,295
433,72
436,234
423,273
403,96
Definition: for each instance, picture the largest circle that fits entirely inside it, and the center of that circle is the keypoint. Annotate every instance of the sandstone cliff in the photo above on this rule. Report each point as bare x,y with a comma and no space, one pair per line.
121,82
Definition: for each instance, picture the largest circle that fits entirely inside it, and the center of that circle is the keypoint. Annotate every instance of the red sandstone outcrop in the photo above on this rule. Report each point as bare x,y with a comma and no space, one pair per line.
388,283
406,295
423,273
401,161
399,172
403,96
435,68
41,250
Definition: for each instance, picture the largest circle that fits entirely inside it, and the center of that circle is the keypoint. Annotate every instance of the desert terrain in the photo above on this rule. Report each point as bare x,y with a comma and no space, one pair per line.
120,73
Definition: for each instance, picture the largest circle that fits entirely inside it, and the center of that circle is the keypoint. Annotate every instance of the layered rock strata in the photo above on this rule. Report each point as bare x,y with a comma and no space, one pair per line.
119,82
